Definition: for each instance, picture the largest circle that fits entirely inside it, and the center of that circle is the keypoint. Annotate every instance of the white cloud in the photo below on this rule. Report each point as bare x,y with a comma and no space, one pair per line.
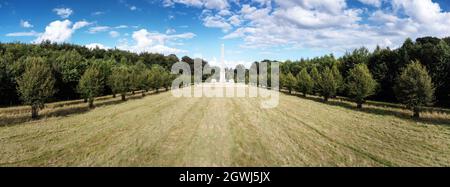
19,34
216,22
133,8
114,34
26,24
98,13
375,3
208,4
145,41
121,27
60,31
63,12
98,29
170,31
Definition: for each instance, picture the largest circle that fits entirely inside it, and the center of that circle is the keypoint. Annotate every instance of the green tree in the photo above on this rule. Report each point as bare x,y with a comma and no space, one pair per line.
91,85
156,77
36,85
305,83
289,82
360,84
327,84
338,77
414,87
119,81
316,80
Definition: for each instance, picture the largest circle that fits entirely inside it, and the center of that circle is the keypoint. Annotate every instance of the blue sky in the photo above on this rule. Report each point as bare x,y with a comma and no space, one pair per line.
252,30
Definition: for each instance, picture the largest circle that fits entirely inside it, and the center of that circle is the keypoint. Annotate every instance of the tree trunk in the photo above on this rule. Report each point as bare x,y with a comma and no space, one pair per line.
123,97
132,93
34,112
416,112
114,95
304,94
85,100
91,102
325,98
143,93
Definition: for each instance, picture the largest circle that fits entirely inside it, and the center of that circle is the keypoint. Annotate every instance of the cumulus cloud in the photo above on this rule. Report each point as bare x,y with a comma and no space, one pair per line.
63,12
208,4
333,25
26,24
60,31
154,42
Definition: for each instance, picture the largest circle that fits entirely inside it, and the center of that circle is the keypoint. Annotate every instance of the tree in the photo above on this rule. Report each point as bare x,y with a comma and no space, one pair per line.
414,87
119,80
91,85
316,80
360,84
289,82
328,85
36,85
156,77
305,83
338,77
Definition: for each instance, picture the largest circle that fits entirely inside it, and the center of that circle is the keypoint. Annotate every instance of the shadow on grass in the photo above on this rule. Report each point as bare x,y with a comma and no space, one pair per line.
370,108
67,110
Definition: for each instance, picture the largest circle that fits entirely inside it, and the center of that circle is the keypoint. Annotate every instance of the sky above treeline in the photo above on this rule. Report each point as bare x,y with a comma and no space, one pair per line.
252,30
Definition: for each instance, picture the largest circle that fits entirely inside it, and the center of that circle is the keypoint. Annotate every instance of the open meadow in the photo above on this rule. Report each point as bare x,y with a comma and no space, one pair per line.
162,130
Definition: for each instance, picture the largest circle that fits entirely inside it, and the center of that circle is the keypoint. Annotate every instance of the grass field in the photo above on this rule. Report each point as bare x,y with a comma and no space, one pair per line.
161,130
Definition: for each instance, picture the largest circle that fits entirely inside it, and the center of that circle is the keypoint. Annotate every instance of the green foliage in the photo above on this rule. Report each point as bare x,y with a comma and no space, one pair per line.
91,84
360,84
338,77
414,87
36,85
305,83
288,81
328,84
316,79
156,77
120,81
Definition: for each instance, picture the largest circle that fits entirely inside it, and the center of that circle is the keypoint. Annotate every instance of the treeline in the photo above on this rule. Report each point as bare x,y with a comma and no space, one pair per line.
33,74
69,63
416,74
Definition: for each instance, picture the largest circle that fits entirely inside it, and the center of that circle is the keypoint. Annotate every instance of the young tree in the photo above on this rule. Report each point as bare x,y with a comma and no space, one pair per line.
360,84
305,83
315,76
36,85
338,77
414,87
289,82
91,85
156,77
327,84
119,80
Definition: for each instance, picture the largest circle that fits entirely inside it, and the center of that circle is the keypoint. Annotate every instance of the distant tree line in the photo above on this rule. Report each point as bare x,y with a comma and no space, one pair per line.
33,74
417,74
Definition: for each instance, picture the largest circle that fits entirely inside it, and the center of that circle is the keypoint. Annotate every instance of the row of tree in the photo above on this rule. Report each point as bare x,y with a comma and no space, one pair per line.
68,63
37,84
413,87
386,65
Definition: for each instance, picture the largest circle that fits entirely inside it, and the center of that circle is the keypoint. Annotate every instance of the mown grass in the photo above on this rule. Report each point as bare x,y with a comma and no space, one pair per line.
160,130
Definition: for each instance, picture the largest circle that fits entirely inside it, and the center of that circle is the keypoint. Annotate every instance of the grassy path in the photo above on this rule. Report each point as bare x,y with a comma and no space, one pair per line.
161,130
